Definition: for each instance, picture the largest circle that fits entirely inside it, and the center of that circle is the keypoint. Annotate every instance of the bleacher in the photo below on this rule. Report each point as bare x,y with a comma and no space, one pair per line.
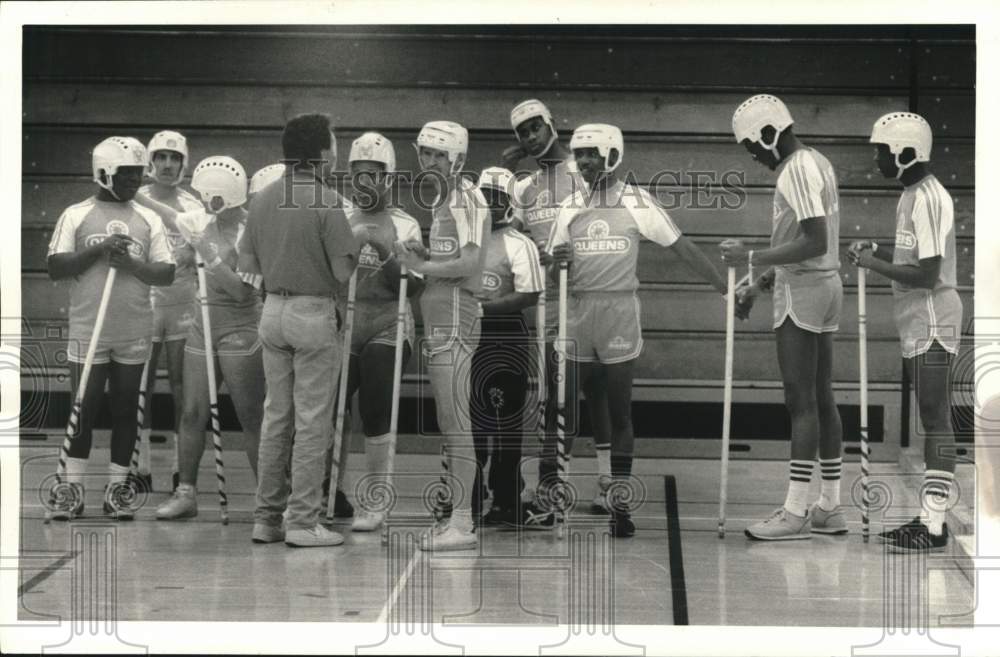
672,91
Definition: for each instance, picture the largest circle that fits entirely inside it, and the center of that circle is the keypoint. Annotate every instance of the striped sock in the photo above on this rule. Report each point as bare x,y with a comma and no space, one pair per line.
76,470
935,493
603,459
829,494
799,476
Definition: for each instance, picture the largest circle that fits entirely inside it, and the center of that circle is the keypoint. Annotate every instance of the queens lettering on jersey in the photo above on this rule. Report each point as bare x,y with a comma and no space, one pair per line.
185,285
389,225
511,265
460,220
925,228
537,198
807,188
605,232
81,226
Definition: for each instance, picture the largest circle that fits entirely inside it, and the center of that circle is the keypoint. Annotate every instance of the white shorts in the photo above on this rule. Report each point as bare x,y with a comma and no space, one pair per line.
924,317
812,302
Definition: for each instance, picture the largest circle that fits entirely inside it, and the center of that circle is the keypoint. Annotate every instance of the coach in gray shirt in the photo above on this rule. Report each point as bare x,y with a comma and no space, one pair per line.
298,239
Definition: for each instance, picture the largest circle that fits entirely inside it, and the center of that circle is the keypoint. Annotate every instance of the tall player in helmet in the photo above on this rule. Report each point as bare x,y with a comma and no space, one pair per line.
512,281
378,226
808,294
104,231
598,230
264,177
234,313
174,306
536,202
927,309
453,276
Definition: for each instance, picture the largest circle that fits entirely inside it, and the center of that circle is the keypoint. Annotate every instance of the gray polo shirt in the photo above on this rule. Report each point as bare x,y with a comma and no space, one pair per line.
295,228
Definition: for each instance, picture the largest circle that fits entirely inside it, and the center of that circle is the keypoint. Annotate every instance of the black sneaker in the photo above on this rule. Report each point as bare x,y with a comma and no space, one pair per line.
341,507
621,524
143,481
498,515
920,539
533,517
892,535
117,501
70,506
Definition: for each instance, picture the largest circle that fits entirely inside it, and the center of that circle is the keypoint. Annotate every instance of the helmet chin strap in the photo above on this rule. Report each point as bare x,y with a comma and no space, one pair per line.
900,167
110,188
548,147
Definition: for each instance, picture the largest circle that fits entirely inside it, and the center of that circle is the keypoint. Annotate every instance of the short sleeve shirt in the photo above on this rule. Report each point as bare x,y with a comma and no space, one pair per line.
537,198
511,265
389,226
605,230
185,286
460,220
129,314
807,188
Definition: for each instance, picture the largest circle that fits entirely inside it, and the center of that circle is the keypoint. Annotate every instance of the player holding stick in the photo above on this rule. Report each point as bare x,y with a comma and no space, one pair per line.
233,307
113,250
927,309
597,232
808,294
459,240
174,307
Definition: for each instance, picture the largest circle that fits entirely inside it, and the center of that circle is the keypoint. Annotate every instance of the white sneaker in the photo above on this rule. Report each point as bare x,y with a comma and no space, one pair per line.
782,525
316,536
267,533
182,504
367,521
445,537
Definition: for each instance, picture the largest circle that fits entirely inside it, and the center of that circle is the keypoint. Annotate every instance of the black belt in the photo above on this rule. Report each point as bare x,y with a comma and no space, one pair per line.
282,292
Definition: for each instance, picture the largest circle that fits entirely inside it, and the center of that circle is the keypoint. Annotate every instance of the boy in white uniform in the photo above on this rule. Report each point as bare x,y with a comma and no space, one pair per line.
808,295
453,274
174,306
109,230
927,309
598,230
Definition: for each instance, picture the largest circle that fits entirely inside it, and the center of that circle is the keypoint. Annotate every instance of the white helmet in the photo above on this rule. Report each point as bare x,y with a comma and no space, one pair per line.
446,136
604,138
265,177
902,130
497,178
529,109
759,111
116,152
373,147
223,176
168,140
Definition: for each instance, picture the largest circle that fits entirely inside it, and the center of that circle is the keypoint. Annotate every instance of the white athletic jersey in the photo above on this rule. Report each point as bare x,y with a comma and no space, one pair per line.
461,219
537,198
130,314
807,188
185,285
605,230
511,265
389,225
925,228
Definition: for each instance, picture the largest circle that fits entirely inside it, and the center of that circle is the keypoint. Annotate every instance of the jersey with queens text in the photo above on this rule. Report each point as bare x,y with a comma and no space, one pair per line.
511,265
388,226
185,285
81,226
604,232
925,228
537,198
461,219
807,188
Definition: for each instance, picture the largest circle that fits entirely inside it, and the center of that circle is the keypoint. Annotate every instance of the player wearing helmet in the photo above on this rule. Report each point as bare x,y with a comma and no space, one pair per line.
264,177
808,293
234,313
927,309
372,162
104,231
598,231
536,203
512,281
174,306
453,273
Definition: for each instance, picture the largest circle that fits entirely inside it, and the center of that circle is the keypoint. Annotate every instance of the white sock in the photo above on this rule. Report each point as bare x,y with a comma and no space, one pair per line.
829,494
76,469
935,493
174,466
462,519
145,466
603,459
117,473
799,476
